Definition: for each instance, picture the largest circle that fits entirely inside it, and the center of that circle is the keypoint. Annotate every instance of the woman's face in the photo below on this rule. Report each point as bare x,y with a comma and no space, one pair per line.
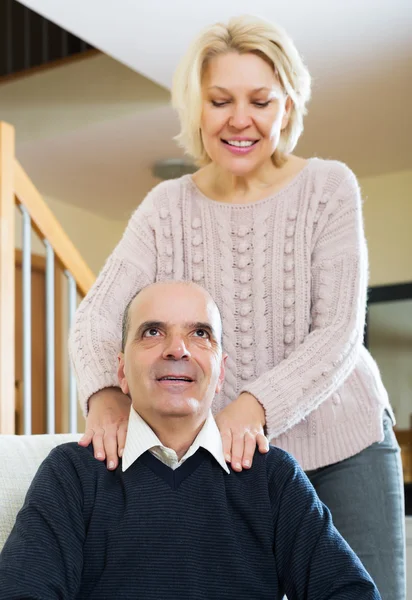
244,110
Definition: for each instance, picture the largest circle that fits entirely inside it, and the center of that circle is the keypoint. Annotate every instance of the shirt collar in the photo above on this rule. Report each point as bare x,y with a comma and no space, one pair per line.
140,438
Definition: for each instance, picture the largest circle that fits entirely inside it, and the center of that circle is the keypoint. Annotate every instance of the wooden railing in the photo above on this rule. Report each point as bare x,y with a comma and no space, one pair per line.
17,189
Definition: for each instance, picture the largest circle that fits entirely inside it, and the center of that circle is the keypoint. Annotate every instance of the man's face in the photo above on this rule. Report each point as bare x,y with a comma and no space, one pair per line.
172,364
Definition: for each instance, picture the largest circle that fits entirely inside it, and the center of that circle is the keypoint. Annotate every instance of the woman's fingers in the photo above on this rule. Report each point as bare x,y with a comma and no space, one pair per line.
98,445
249,449
121,437
262,443
238,443
226,436
87,437
110,446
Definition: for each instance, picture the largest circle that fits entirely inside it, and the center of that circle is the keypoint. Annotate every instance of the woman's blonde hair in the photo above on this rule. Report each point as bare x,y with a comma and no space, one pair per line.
242,34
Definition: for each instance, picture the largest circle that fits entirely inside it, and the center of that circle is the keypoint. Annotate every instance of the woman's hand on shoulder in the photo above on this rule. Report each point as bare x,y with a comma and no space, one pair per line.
241,425
106,425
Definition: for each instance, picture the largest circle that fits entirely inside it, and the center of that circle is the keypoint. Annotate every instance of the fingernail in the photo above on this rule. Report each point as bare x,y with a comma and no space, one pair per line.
111,465
227,457
238,466
99,455
246,463
121,452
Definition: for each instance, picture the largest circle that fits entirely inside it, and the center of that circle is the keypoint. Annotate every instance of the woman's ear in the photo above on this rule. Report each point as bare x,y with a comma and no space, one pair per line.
287,112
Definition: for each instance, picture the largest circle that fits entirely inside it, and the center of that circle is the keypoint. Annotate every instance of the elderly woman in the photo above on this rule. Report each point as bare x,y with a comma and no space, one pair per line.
278,241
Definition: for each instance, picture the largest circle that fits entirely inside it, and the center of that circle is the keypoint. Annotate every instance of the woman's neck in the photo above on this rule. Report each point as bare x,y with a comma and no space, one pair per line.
224,186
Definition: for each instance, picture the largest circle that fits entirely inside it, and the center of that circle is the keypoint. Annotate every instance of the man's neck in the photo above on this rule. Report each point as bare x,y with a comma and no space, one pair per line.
176,433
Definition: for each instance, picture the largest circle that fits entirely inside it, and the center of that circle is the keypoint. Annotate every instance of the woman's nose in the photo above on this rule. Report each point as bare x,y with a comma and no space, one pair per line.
240,117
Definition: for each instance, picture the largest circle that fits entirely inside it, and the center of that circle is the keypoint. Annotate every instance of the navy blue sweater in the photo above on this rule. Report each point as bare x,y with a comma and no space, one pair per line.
195,533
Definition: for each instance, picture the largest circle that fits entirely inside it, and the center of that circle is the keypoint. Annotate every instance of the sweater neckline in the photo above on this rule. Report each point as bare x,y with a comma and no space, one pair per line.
173,477
292,183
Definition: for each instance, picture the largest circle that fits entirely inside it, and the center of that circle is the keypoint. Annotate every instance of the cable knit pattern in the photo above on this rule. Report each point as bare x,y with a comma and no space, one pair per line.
289,274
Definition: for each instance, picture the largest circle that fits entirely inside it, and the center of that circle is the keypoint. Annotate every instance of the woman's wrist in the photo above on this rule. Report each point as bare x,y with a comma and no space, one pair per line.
108,396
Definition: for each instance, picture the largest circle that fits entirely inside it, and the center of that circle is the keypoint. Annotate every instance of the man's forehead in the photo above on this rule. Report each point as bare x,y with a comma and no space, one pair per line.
174,310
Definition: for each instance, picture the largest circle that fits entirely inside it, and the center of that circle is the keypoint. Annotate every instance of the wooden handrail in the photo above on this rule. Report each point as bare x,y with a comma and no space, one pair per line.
16,187
47,227
7,270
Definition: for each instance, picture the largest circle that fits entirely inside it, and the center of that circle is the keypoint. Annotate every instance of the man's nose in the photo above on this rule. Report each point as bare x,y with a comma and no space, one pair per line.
175,348
240,117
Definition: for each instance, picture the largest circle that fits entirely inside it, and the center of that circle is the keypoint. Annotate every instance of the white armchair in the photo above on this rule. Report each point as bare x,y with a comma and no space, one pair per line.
20,457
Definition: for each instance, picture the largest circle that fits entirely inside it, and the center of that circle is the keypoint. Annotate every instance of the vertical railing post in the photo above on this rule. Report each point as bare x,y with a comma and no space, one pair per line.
7,280
72,304
50,337
27,344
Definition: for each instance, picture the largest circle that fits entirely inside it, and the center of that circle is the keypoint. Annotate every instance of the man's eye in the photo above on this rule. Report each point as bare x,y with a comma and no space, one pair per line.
152,332
202,333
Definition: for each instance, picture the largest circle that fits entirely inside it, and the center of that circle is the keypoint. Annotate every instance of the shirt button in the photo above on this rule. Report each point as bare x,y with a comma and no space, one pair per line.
197,258
164,213
196,223
290,231
167,232
293,213
197,240
197,275
168,268
288,247
169,250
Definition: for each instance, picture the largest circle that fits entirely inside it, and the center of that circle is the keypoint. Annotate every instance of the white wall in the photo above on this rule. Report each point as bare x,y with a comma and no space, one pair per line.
388,225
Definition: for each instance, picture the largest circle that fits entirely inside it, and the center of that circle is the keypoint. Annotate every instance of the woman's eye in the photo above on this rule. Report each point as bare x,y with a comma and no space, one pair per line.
262,104
219,104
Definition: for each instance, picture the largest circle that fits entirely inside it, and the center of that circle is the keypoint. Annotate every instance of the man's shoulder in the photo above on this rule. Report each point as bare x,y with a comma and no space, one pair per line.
78,457
276,465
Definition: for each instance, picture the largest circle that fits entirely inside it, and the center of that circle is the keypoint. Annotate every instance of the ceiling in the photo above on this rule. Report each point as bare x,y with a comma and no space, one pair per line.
89,132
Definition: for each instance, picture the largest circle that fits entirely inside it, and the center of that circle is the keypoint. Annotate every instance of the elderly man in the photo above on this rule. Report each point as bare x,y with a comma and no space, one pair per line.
173,521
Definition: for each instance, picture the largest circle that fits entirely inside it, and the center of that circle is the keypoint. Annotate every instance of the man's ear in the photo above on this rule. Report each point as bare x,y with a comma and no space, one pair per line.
121,375
221,374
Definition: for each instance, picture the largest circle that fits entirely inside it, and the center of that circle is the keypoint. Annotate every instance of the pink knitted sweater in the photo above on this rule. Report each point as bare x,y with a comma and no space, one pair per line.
289,274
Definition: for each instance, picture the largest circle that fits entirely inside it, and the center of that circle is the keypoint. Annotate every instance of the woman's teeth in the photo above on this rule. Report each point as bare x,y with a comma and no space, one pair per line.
240,144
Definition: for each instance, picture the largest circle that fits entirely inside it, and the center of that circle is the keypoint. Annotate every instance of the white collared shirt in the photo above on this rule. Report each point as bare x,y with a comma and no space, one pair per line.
140,438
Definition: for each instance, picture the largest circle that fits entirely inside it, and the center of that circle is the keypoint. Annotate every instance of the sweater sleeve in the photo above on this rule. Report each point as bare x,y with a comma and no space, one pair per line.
95,337
43,556
326,357
313,561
